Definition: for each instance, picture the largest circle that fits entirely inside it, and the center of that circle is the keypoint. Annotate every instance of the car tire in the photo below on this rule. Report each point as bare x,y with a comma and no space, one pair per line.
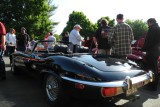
53,90
14,68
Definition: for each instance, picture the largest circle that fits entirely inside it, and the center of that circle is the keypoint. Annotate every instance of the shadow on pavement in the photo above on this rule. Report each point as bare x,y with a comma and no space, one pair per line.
25,91
21,91
147,99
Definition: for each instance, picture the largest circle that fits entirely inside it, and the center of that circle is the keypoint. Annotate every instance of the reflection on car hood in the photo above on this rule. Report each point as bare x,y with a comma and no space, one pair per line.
104,64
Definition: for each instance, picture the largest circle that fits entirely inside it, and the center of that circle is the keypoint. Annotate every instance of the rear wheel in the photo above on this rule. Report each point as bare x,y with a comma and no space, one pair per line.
53,90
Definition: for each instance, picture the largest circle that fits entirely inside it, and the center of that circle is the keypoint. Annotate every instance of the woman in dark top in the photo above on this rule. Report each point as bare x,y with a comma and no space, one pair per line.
22,40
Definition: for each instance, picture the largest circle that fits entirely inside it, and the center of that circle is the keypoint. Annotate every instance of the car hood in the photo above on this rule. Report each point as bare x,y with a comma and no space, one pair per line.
105,64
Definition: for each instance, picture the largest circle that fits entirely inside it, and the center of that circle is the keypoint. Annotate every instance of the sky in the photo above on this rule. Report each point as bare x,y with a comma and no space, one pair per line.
95,9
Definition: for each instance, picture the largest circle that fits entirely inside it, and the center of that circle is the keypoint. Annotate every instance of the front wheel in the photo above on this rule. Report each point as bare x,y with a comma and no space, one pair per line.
53,90
14,68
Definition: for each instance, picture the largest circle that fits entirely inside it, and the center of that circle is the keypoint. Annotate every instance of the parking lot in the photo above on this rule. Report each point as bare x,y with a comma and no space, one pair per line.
25,91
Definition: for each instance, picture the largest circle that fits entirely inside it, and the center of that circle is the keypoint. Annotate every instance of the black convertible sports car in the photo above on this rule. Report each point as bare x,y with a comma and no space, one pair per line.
83,75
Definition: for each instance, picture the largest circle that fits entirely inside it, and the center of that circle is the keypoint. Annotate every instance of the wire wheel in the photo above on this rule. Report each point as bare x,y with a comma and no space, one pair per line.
52,88
14,69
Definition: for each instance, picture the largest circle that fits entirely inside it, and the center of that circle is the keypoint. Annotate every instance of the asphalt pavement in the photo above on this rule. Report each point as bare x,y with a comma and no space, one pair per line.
25,91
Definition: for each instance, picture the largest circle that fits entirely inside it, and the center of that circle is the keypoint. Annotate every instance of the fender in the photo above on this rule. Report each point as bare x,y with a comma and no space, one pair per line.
45,72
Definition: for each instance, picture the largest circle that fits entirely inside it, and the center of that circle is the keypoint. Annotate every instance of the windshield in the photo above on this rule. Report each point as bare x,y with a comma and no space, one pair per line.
49,46
62,47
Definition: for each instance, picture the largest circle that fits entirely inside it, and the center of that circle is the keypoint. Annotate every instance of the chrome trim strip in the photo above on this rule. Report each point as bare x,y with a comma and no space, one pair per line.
99,84
121,83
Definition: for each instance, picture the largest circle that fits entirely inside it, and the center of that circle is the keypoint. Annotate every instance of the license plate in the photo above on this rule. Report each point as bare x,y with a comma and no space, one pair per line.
131,91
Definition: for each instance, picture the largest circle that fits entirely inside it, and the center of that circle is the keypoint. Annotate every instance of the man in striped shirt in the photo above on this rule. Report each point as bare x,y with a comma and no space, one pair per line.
120,38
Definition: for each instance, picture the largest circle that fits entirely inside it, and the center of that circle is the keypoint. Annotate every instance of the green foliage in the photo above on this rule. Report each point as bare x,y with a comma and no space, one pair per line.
32,14
57,37
88,28
138,26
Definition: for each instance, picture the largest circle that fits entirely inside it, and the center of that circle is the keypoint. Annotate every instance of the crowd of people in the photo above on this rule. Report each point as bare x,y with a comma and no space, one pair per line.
115,41
10,42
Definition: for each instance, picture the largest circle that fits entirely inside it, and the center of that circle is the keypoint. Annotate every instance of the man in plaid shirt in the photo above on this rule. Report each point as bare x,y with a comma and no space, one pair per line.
120,38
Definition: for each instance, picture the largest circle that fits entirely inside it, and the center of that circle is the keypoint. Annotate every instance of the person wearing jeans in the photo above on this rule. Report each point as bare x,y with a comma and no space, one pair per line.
11,42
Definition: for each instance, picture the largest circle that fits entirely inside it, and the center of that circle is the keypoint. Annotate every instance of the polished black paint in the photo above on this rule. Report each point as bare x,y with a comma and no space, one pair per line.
79,66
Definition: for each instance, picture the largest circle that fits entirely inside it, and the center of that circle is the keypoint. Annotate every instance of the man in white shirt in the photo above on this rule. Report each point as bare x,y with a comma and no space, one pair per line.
75,38
11,38
53,41
11,43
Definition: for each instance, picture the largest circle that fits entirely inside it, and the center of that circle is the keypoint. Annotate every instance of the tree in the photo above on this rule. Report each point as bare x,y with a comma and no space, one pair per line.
57,37
88,28
32,14
139,27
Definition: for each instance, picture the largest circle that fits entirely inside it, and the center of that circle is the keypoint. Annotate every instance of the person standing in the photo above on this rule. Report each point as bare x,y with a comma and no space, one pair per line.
152,48
101,39
22,40
120,38
2,49
52,42
31,43
75,38
45,38
65,38
10,42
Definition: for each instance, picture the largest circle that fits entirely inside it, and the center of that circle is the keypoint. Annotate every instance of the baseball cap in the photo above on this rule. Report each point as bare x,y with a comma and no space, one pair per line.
77,25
